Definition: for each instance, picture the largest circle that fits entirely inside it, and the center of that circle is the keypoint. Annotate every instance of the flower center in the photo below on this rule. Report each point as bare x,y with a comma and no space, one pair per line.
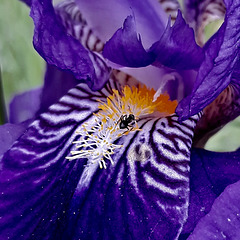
116,117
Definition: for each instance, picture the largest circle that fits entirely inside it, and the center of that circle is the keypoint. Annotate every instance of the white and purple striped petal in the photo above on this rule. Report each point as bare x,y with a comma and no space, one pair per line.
144,194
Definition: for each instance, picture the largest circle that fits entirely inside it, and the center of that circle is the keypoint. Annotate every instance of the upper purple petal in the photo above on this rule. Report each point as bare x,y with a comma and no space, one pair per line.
62,50
105,17
125,47
222,56
177,47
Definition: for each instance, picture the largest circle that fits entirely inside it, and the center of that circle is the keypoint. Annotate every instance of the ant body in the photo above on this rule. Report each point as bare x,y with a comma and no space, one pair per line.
127,121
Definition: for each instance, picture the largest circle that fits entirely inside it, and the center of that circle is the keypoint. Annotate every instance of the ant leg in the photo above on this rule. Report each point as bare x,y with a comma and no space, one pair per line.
120,119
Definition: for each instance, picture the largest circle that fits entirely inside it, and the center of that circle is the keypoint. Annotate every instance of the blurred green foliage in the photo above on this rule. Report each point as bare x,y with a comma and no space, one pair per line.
22,68
227,139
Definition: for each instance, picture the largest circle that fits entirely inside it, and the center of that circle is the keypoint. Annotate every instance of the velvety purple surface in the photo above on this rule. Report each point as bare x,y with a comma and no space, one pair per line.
58,199
62,50
176,48
125,47
10,133
223,221
150,18
56,84
221,61
24,106
211,173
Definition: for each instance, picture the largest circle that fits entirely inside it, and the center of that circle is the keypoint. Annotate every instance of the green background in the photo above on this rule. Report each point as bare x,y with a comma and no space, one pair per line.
22,68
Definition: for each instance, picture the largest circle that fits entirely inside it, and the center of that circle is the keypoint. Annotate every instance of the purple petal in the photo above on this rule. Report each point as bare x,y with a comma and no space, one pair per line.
178,84
27,2
24,106
105,17
56,84
36,171
62,50
9,133
177,47
210,174
125,47
222,222
221,60
145,194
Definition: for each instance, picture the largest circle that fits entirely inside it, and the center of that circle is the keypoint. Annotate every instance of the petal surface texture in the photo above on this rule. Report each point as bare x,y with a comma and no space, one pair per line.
9,134
24,106
125,47
144,195
222,222
211,173
221,61
59,48
105,17
56,84
176,48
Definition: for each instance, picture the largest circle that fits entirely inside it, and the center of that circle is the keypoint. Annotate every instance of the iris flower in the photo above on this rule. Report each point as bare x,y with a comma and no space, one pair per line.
108,152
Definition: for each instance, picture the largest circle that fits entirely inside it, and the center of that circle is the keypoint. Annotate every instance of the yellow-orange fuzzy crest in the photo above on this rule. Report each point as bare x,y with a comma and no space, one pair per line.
137,101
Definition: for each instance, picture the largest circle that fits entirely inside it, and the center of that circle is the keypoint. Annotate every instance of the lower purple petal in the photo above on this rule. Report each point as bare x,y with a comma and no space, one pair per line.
36,181
211,173
143,195
223,221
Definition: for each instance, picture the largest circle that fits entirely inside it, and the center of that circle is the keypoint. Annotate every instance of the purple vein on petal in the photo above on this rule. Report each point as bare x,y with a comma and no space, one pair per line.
145,193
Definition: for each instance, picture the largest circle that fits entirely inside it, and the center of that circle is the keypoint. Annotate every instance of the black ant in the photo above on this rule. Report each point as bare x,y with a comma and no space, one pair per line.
127,121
